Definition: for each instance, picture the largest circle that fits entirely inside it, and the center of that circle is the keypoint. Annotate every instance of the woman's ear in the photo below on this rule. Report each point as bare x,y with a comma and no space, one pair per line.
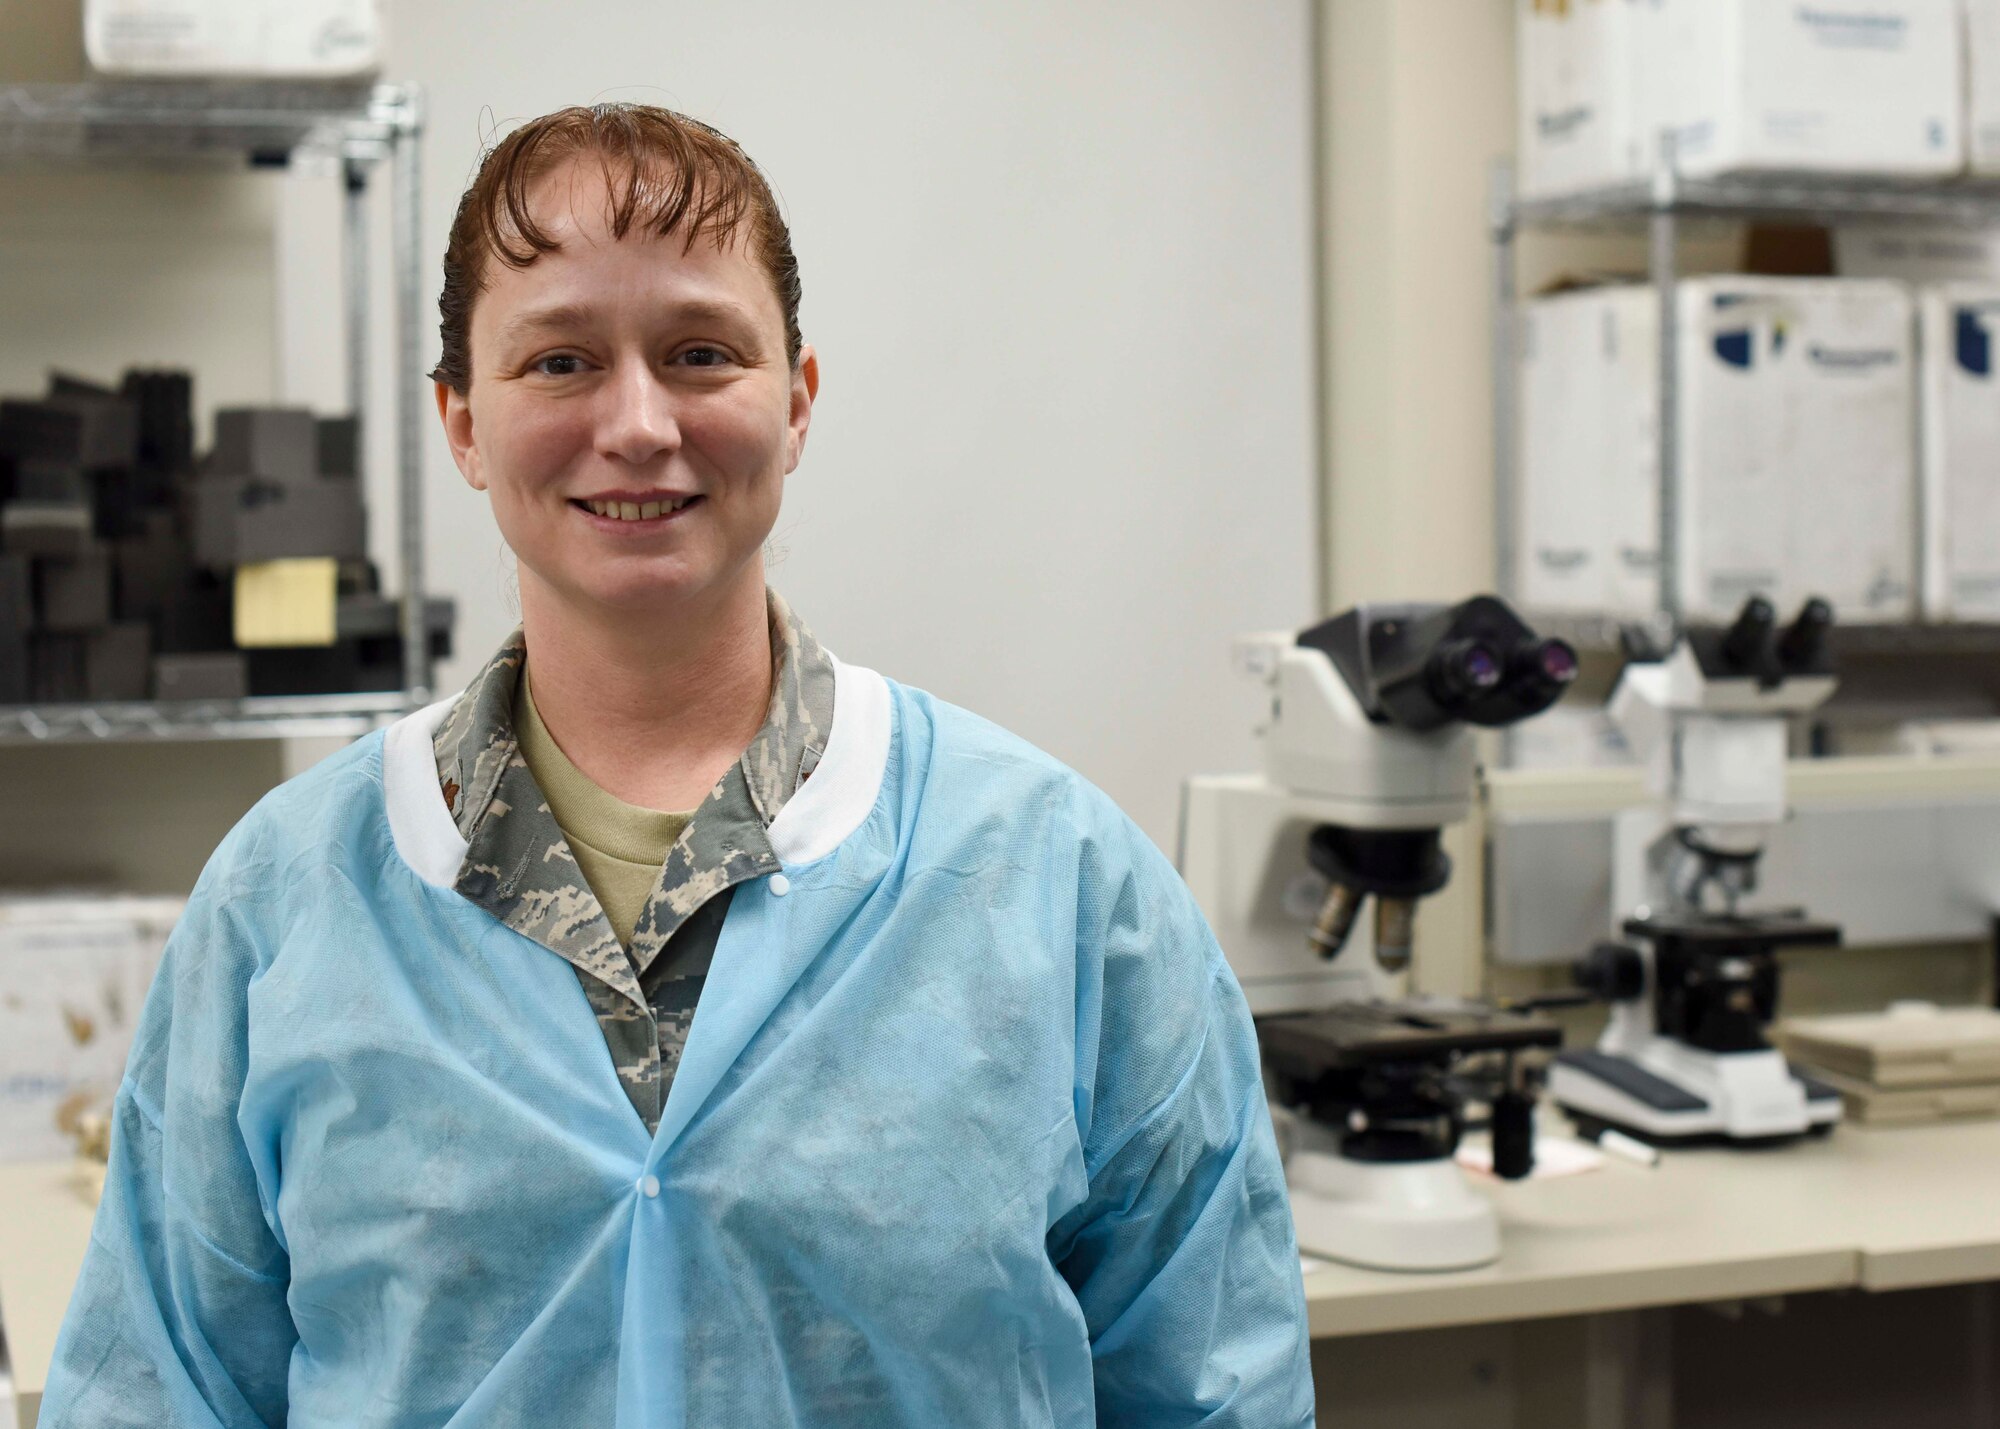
805,387
455,414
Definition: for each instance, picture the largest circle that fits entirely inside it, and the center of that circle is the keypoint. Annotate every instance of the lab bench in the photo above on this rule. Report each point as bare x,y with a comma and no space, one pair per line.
1874,1209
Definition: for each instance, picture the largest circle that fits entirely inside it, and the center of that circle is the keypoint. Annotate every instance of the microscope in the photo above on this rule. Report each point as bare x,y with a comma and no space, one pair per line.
1684,1058
1368,755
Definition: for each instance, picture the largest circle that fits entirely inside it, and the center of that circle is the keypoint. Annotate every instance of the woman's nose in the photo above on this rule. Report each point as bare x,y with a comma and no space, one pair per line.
637,424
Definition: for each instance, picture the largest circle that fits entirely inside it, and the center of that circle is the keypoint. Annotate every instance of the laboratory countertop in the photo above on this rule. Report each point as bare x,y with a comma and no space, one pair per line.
1886,1208
1881,1208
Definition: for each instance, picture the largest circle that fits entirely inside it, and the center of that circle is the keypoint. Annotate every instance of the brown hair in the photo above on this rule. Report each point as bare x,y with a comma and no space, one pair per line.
667,174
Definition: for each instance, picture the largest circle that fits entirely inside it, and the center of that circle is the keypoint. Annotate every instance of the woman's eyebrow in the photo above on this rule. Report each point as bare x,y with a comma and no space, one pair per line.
539,320
559,316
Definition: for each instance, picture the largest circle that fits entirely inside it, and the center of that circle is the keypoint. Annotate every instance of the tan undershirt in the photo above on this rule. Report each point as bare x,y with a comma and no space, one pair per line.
619,847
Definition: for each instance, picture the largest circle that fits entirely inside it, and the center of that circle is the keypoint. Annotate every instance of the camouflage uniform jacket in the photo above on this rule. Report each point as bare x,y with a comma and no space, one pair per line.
519,868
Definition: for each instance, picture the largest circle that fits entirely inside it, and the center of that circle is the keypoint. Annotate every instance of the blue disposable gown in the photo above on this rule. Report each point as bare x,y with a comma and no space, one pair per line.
968,1132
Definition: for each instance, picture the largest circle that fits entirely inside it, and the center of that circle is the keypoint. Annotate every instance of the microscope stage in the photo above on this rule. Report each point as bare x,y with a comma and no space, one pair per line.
1362,1034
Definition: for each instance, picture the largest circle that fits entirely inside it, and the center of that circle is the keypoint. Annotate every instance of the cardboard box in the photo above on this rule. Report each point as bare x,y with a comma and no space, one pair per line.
1842,86
1579,86
1588,532
305,39
1797,455
76,972
1798,463
1959,332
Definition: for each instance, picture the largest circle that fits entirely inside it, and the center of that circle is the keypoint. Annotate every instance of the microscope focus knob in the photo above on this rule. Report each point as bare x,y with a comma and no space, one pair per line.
1614,972
1513,1135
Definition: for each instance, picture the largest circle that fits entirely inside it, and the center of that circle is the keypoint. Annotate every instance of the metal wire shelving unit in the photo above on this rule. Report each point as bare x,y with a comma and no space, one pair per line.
172,124
1662,207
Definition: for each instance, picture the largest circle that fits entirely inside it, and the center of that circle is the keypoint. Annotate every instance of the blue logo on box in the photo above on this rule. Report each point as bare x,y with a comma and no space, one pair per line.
1971,341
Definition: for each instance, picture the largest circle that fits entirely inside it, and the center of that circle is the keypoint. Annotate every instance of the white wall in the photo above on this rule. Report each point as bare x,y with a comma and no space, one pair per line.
1057,265
1057,268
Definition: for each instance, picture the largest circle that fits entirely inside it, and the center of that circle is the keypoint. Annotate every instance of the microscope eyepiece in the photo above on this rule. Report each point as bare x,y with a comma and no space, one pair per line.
1425,667
1463,670
1747,644
1802,649
1541,670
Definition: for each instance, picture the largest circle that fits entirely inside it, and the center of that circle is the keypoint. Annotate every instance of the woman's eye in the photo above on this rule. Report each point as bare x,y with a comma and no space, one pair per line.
559,364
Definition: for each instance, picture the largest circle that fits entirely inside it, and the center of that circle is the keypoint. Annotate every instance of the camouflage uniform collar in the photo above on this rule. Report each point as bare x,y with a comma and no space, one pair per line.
520,869
475,740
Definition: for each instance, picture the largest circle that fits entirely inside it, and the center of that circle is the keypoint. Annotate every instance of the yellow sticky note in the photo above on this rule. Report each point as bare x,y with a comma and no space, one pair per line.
286,602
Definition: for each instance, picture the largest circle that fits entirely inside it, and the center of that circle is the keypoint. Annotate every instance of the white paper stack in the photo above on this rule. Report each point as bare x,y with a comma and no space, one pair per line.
1797,452
1959,329
73,974
272,39
1914,1063
1844,86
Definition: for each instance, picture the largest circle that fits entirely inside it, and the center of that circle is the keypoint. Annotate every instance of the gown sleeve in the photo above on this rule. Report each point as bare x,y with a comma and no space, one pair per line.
179,1316
1182,1255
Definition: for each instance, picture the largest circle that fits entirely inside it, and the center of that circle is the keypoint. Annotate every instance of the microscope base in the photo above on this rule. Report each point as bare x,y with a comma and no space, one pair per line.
1666,1092
1408,1215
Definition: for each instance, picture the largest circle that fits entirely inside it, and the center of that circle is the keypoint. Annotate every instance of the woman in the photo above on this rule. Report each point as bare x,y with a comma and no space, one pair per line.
679,1026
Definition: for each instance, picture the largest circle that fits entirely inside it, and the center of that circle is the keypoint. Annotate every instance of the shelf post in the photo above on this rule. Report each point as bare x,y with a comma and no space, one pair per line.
408,241
354,262
1663,255
1506,385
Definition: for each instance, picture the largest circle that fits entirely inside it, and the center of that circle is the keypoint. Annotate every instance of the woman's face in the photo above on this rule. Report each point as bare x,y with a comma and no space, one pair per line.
631,410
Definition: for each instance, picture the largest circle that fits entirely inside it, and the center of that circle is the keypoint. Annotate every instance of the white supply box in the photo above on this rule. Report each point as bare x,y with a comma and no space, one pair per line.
1982,85
1797,449
1579,107
73,975
1959,329
272,39
1840,86
1588,533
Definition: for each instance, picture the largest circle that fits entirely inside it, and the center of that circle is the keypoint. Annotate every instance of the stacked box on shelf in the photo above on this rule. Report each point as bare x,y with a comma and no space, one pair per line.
57,451
76,969
1578,84
1588,538
1798,405
1797,468
1959,330
118,551
262,496
1982,86
1746,86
